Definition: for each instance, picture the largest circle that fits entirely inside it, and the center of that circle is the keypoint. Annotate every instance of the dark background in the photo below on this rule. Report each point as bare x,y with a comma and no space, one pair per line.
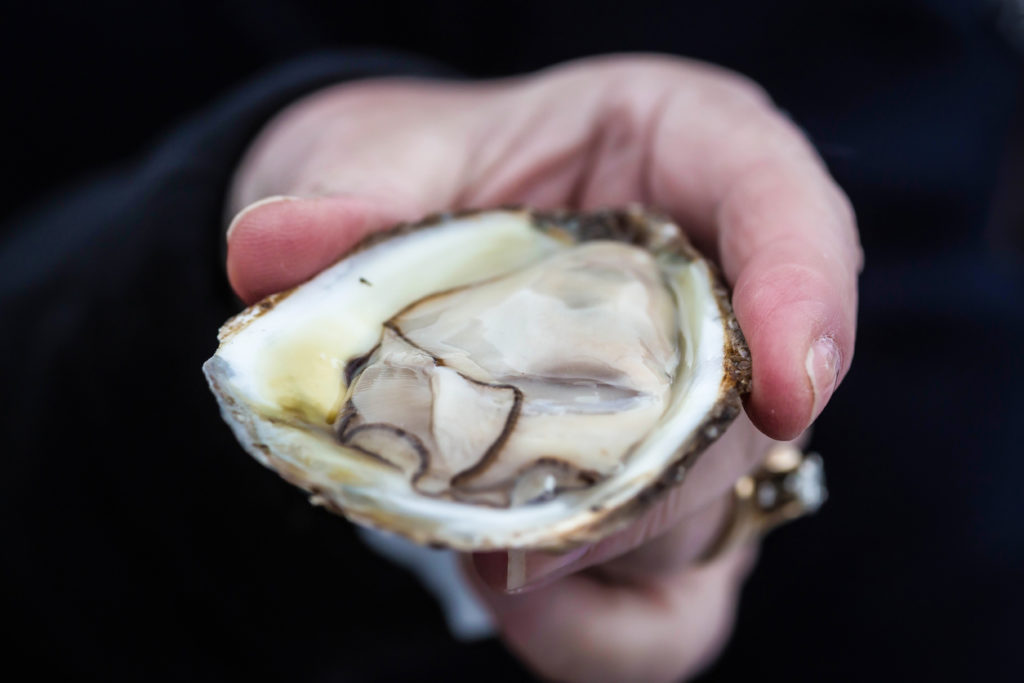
915,568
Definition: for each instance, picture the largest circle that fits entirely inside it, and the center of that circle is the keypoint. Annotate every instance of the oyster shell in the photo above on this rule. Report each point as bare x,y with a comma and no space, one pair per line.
499,379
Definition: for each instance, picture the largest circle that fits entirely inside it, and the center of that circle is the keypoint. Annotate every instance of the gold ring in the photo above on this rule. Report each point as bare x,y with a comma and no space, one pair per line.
789,484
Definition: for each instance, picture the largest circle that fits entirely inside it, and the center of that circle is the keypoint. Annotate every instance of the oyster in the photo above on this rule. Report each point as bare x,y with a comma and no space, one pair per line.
499,379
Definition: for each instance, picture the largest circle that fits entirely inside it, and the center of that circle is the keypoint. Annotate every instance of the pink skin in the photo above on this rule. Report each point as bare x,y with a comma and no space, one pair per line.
700,142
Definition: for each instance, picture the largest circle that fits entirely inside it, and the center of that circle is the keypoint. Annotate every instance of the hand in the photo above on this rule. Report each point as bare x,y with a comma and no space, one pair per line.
699,142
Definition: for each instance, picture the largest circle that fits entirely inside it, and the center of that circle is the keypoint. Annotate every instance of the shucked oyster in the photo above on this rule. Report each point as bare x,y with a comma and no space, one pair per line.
500,379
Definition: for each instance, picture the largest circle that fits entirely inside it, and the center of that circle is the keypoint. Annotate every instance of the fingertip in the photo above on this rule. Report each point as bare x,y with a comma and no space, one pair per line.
779,419
279,242
800,334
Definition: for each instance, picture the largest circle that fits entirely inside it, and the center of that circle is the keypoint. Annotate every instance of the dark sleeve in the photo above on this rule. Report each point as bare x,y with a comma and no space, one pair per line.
188,170
139,541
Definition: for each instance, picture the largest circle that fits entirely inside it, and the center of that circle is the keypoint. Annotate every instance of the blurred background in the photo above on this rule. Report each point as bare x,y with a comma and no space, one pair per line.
913,570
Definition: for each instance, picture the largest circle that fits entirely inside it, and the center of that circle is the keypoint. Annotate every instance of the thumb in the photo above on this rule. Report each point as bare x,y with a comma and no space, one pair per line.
278,242
332,168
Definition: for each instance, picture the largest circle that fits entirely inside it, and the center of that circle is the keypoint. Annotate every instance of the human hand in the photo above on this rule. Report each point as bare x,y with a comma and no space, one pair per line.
696,141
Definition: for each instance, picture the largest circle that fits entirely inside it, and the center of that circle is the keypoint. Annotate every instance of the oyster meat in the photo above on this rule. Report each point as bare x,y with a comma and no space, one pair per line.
499,379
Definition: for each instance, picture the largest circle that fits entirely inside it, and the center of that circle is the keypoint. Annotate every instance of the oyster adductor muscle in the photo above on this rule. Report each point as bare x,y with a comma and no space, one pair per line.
498,379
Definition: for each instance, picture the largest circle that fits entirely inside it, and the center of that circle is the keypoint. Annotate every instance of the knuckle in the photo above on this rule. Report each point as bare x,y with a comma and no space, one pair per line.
778,137
848,219
740,87
660,71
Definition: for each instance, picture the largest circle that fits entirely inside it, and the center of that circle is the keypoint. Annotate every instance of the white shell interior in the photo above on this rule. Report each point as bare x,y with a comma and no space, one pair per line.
279,376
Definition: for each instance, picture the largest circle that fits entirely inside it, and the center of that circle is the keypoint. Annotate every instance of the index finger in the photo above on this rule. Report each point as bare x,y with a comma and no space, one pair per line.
747,182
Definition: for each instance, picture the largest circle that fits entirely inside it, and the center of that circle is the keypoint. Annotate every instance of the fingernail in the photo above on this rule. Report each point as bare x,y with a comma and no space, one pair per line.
256,205
518,570
530,569
822,365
